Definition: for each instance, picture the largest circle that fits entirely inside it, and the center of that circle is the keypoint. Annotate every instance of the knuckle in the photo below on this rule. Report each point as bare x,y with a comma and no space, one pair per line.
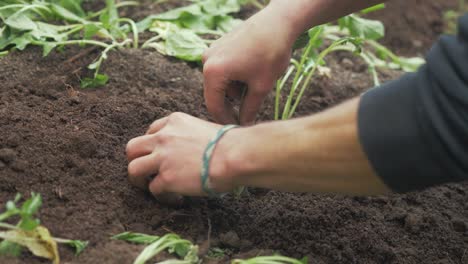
212,69
163,138
176,116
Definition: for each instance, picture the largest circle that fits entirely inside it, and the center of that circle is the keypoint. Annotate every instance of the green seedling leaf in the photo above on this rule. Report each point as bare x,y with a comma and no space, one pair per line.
78,245
31,205
21,22
66,14
137,238
90,30
98,81
185,45
73,6
10,249
362,28
270,260
411,64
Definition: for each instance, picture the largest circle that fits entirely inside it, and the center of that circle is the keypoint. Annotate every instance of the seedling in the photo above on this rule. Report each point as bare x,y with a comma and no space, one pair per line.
185,32
29,233
270,260
184,249
352,34
451,17
33,22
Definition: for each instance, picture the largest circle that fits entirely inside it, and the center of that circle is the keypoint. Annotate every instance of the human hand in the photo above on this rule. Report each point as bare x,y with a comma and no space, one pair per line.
172,149
255,54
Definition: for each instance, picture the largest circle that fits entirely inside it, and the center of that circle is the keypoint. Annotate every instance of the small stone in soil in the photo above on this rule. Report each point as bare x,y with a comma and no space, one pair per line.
7,155
459,225
230,239
19,166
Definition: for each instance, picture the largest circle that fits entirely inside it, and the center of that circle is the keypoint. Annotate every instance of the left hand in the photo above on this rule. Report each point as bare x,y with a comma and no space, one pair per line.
172,150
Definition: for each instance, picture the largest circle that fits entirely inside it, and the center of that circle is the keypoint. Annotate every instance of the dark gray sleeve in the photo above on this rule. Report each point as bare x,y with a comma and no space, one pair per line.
415,130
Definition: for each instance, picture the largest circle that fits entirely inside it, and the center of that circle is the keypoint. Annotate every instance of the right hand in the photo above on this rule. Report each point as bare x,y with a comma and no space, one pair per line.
255,54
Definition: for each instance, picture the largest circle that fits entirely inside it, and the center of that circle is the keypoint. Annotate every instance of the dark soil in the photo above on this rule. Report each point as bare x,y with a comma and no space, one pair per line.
69,145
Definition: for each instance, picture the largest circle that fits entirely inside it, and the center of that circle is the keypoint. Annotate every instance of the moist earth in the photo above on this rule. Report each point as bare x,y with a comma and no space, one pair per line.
69,145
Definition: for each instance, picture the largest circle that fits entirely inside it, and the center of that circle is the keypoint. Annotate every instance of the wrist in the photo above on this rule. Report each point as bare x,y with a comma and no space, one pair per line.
297,15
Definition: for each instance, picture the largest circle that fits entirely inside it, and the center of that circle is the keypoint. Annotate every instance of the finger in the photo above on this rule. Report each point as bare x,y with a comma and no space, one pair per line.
157,125
251,104
215,95
157,186
140,146
139,170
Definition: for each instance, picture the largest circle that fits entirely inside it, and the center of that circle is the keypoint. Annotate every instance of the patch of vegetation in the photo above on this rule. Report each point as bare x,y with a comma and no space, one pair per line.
28,233
352,34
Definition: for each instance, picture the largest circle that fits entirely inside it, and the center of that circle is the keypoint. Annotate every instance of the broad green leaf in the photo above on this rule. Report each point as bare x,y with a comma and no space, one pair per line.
20,21
363,28
220,7
47,48
90,30
227,23
66,14
73,6
98,81
185,45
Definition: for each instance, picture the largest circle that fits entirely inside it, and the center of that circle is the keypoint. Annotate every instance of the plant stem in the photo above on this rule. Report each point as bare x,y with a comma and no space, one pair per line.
279,86
299,69
134,31
321,56
149,41
80,42
8,226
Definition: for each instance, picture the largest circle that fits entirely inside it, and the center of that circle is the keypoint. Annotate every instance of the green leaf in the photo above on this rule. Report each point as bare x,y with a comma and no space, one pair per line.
78,245
90,30
137,238
66,14
47,48
31,205
184,44
73,6
10,249
363,28
411,64
98,81
20,21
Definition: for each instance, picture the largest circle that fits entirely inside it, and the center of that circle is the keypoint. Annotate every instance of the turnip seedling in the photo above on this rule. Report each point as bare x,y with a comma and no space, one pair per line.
184,249
29,233
352,34
270,260
24,23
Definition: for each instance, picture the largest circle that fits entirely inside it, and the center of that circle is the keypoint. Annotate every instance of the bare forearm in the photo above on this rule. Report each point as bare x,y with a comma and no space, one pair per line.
320,153
304,14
